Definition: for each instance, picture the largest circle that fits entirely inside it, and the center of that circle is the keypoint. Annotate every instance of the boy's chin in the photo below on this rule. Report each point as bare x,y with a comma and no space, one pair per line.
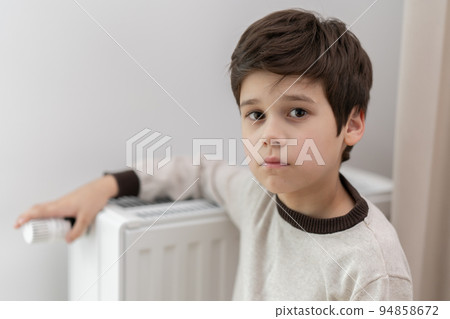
276,187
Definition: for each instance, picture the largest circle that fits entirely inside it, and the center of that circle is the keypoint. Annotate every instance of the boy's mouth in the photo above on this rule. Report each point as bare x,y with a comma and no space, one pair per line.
273,162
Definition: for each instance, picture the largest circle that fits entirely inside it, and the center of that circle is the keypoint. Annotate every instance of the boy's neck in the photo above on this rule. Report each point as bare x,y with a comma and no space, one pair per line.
328,199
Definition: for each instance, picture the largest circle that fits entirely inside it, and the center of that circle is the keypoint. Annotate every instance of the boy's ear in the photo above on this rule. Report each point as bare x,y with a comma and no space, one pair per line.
354,129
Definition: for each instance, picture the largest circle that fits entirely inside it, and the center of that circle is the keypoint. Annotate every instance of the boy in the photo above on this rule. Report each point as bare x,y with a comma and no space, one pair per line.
306,233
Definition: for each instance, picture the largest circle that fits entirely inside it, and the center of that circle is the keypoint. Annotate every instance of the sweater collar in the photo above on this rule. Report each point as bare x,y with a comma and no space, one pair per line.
327,225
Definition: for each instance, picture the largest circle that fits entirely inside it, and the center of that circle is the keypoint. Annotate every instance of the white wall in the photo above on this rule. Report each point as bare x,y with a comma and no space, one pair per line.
70,98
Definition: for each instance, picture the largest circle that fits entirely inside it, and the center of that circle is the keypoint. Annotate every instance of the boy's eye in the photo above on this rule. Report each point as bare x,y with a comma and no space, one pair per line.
298,113
255,115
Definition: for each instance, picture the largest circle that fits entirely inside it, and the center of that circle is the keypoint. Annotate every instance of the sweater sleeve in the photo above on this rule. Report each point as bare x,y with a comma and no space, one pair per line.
179,179
386,288
127,182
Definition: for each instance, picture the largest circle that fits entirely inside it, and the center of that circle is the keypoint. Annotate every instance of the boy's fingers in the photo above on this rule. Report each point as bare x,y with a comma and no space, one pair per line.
78,229
44,210
33,212
21,220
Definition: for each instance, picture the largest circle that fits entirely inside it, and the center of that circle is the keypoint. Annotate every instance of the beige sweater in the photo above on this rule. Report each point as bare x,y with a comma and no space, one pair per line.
285,255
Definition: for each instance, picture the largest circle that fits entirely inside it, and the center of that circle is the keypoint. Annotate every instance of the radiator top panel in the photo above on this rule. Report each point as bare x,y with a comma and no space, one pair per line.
134,208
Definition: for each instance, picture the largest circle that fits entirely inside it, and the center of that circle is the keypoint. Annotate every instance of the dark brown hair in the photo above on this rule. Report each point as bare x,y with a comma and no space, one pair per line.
299,42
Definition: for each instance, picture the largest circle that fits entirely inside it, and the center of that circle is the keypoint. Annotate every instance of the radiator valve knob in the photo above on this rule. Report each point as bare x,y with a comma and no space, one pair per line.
47,229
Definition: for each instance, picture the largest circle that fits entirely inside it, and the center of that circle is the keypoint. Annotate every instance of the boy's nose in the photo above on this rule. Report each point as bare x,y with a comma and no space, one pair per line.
274,134
275,141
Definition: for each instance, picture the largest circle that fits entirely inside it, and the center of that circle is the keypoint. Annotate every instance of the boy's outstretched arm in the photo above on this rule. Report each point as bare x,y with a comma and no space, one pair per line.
83,203
178,180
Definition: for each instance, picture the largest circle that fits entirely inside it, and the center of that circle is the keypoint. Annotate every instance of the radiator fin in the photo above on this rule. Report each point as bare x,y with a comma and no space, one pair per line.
192,289
144,285
169,277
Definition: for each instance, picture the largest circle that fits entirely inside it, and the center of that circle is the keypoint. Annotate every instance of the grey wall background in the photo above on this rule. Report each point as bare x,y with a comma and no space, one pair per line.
70,98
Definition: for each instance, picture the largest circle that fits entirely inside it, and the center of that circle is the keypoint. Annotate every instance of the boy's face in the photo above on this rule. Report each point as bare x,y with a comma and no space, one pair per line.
301,114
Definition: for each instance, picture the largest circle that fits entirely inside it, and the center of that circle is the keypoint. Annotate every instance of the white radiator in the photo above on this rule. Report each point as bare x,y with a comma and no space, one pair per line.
190,253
